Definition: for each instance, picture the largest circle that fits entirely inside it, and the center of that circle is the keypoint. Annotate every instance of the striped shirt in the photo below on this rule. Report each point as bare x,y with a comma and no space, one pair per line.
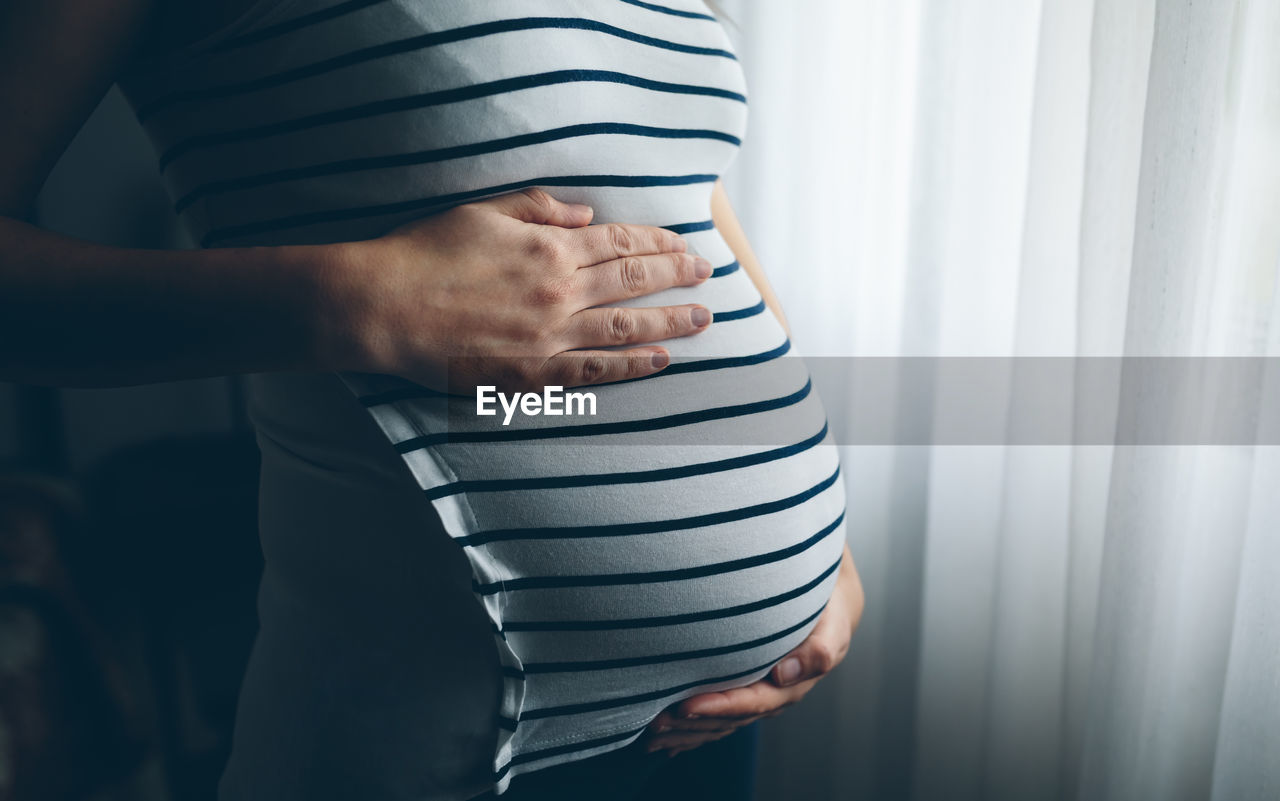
685,537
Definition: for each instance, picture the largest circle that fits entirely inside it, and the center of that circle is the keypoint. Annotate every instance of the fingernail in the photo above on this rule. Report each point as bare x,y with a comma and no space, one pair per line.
789,670
700,316
582,208
701,267
679,245
660,360
653,748
662,729
689,716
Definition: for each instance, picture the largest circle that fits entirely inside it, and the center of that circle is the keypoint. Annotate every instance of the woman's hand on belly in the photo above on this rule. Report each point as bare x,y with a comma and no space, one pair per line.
711,716
510,285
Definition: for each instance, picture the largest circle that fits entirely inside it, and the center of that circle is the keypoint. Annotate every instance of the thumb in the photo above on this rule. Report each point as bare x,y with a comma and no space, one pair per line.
536,206
810,659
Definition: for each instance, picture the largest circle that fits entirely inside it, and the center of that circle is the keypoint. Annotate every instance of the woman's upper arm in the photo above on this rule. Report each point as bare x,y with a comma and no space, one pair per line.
57,59
730,229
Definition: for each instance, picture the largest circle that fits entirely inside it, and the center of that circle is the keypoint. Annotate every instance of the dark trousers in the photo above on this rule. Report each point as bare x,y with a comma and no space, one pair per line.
719,771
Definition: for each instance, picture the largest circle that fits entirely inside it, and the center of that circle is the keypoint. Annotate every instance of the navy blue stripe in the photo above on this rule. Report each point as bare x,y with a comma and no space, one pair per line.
439,98
703,365
637,477
672,620
658,576
675,12
413,43
297,23
448,153
533,668
601,429
646,526
422,204
720,272
693,227
738,314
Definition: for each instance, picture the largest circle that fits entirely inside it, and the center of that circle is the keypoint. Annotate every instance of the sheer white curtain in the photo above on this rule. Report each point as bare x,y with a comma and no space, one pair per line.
1022,178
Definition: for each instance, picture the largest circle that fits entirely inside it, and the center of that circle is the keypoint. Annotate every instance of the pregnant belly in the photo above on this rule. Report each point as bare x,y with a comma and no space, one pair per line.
680,540
623,578
617,577
622,599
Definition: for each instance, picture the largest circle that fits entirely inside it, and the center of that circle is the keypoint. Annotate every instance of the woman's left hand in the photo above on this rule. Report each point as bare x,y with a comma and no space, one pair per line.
711,716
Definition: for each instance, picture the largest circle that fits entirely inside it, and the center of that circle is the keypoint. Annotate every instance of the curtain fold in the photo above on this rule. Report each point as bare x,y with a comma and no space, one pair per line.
1034,179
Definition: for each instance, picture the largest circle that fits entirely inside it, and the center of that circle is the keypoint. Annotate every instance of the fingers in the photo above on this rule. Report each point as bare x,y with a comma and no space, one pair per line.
536,206
760,698
584,367
666,723
820,652
812,659
636,276
666,732
750,700
596,328
597,244
676,735
710,716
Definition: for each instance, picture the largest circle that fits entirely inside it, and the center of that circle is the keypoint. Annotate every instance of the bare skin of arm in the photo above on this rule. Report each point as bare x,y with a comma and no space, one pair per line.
510,282
712,716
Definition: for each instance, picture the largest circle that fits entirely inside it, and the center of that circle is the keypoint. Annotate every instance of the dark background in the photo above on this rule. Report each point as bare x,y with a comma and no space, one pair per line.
106,189
128,543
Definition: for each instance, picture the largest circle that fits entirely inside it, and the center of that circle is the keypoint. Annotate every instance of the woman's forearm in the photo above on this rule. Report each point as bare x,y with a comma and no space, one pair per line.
74,313
513,283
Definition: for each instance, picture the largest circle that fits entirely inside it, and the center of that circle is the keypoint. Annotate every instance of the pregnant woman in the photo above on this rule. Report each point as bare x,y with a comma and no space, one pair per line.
401,202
